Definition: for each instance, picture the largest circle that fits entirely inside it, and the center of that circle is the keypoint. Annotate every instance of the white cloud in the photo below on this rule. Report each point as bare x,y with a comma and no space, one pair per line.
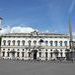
21,29
18,29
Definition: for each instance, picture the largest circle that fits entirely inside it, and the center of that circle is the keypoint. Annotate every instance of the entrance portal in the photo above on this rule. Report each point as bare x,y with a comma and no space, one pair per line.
34,54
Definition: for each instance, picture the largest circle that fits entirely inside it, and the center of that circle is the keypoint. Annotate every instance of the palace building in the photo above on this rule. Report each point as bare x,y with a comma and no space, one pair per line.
34,45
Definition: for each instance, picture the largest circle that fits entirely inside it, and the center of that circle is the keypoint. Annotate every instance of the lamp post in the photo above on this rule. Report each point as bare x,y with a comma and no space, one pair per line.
72,52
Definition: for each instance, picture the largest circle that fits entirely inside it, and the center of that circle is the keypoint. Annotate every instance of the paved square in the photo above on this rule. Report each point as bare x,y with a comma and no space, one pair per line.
23,68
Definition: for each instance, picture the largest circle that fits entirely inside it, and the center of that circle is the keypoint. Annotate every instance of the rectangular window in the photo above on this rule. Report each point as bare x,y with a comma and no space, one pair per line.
22,54
46,54
29,54
51,54
18,54
39,54
3,54
7,54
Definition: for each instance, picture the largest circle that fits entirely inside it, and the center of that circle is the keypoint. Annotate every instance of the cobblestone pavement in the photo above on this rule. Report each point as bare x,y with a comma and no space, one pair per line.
10,67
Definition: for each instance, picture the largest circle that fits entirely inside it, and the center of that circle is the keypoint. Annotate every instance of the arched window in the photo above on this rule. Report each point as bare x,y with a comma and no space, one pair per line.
13,42
18,42
9,42
29,42
60,43
56,52
56,43
34,42
46,42
41,41
4,42
65,43
23,42
51,43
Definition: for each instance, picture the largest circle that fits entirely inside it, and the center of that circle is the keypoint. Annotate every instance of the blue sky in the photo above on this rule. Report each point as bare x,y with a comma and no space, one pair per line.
51,15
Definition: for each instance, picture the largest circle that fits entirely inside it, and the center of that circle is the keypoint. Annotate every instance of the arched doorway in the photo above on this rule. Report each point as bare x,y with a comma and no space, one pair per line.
34,52
13,54
56,53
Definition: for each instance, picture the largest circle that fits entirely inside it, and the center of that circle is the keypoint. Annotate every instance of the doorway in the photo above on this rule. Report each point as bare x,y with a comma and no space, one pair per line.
34,54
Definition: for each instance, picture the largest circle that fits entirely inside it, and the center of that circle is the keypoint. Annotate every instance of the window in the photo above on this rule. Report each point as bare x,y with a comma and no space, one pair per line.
7,54
39,54
51,49
22,49
56,43
61,53
8,49
29,42
40,41
46,53
3,49
23,42
34,42
13,42
51,54
9,42
22,54
17,49
46,42
3,54
60,43
18,54
65,42
51,43
46,50
18,42
4,42
29,54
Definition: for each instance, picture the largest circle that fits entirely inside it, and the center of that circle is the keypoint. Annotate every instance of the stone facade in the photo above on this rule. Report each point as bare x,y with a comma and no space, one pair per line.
34,45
